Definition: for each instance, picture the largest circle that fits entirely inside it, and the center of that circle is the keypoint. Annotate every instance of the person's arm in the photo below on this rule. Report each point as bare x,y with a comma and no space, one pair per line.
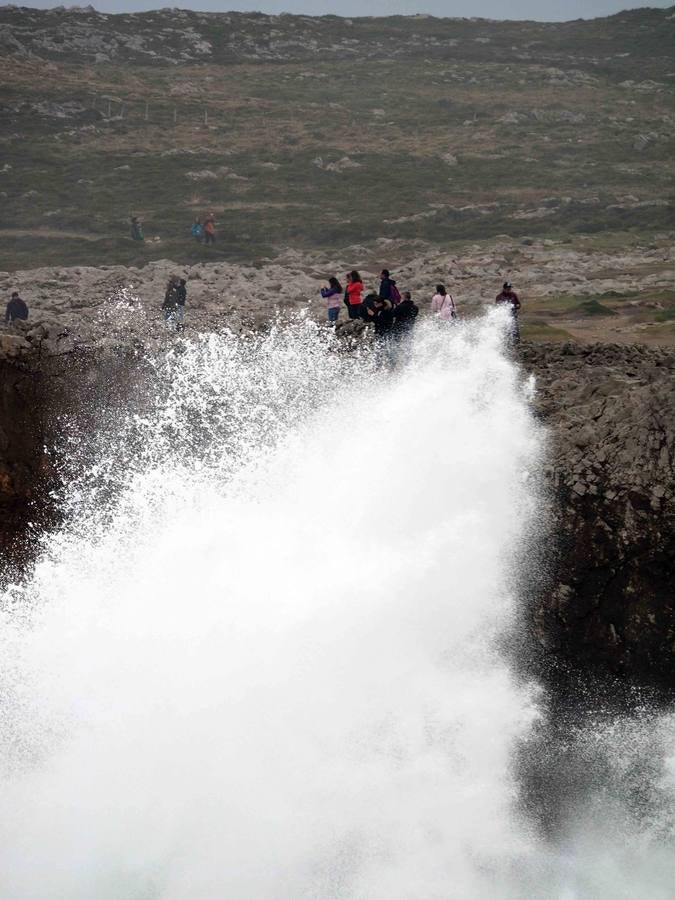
516,302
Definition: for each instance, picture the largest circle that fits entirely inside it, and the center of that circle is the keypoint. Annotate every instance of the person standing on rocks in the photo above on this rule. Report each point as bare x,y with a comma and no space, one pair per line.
405,316
388,289
443,305
170,305
16,309
210,229
383,322
353,294
508,297
333,297
181,300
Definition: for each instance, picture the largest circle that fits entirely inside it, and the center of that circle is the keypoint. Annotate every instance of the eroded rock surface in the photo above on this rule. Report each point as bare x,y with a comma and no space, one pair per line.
607,601
611,414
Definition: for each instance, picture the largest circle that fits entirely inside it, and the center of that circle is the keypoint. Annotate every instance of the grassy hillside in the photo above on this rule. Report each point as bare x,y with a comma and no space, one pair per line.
326,132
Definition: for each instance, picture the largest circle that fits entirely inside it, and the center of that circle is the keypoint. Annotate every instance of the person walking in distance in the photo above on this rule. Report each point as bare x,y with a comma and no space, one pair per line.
353,294
210,229
443,305
332,294
16,309
197,231
508,297
136,229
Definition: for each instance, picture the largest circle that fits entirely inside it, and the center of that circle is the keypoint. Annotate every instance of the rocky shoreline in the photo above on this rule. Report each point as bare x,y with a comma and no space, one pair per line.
605,599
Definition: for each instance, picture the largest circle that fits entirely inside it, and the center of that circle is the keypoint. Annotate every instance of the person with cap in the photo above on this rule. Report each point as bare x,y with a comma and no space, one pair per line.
508,297
16,309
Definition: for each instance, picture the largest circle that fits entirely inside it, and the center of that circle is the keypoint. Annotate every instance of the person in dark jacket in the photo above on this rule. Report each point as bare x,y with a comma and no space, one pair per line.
368,308
388,289
16,309
383,323
170,305
405,314
181,300
384,317
508,297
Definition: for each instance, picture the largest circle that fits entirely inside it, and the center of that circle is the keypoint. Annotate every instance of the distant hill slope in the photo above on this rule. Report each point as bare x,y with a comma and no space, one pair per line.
180,36
326,132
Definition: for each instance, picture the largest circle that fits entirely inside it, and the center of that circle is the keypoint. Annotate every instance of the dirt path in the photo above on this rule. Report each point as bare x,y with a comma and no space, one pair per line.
50,233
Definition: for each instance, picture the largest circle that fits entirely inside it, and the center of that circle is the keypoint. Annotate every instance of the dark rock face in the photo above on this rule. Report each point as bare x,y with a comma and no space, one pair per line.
24,465
607,601
611,412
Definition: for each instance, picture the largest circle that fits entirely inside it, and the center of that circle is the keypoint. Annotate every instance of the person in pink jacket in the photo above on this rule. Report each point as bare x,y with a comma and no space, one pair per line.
442,304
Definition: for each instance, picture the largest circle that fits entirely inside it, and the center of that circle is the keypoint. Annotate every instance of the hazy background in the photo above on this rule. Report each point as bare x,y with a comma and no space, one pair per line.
545,10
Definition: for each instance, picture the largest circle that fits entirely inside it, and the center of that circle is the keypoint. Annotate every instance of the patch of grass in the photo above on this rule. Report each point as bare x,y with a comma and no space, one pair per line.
594,308
665,315
543,332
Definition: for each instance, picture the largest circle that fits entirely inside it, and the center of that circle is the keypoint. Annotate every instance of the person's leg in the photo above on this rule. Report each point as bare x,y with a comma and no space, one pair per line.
180,317
333,314
516,330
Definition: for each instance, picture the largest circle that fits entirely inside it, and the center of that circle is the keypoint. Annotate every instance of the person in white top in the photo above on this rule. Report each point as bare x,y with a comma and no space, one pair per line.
442,304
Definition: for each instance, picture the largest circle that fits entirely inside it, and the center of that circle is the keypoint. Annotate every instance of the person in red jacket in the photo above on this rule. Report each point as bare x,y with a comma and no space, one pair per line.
353,294
508,297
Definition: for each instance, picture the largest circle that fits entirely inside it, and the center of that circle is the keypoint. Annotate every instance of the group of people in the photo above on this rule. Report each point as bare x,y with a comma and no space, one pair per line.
391,312
205,232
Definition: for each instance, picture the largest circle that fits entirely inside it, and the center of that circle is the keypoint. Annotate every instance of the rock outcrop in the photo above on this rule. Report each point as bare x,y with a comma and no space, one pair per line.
607,599
610,409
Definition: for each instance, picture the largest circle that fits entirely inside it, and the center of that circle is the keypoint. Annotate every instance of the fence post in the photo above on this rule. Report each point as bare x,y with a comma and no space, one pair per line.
146,111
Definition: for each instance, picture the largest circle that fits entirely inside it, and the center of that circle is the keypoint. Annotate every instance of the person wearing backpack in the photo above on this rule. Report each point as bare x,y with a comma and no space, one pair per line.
388,289
197,231
443,305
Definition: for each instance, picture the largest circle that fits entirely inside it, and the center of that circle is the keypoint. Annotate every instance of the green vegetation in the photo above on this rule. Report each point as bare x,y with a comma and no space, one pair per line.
458,136
540,331
595,308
